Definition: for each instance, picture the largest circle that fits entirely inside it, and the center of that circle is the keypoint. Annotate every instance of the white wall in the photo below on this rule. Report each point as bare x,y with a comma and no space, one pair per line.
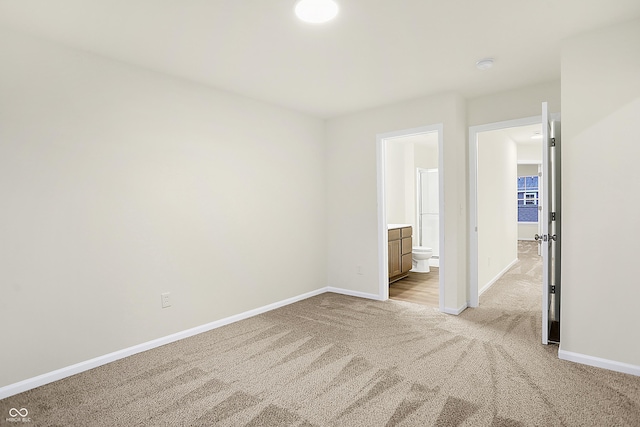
601,107
426,156
513,104
400,184
352,191
409,187
497,209
530,153
395,183
118,184
526,170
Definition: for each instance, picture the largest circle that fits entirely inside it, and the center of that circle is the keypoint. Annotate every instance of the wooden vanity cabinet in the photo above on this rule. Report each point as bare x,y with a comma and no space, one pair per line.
400,246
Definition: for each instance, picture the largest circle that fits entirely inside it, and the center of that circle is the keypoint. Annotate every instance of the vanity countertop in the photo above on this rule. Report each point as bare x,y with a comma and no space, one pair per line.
393,226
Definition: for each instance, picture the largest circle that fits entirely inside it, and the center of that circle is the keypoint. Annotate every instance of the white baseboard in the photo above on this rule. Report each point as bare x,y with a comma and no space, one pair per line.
498,276
68,371
353,293
455,311
598,362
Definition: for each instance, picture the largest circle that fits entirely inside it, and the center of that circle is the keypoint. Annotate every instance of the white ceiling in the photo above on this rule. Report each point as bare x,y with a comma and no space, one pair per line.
375,53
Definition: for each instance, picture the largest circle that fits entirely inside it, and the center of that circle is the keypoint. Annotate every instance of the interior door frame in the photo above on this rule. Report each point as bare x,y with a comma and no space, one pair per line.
383,237
472,291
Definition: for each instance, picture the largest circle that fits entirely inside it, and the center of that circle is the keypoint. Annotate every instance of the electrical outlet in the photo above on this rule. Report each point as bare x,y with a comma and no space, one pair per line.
359,270
166,302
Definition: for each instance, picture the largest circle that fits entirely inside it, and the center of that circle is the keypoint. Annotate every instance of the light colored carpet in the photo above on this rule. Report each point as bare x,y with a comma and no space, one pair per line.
334,360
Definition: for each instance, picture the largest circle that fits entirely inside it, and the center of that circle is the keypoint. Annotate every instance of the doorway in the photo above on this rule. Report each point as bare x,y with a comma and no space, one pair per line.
493,211
547,190
400,155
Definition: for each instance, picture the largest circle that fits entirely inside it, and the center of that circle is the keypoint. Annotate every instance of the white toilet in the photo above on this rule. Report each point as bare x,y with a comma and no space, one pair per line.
420,259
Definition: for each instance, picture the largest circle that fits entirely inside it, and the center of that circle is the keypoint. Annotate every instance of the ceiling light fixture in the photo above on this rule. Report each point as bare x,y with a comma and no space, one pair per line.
484,64
536,135
316,11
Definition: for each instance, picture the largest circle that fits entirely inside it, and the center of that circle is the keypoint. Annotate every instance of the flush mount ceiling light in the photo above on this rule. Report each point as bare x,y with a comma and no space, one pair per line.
536,135
316,11
484,64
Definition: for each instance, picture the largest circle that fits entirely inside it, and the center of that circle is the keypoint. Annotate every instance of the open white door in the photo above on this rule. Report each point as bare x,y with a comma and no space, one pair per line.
549,239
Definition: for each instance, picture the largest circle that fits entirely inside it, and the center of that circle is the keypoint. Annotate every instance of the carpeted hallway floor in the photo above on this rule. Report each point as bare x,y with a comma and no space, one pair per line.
334,360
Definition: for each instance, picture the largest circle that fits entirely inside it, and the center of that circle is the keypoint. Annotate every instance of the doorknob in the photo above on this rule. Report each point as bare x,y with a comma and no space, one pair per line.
545,237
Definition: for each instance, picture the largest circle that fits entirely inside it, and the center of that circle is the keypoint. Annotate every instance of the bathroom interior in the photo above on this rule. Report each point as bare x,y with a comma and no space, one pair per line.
412,209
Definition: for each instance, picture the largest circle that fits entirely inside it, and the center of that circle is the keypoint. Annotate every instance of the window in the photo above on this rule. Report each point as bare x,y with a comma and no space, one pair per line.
528,198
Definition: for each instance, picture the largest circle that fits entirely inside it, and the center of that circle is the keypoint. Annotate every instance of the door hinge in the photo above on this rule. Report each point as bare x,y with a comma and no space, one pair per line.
552,141
552,289
553,216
